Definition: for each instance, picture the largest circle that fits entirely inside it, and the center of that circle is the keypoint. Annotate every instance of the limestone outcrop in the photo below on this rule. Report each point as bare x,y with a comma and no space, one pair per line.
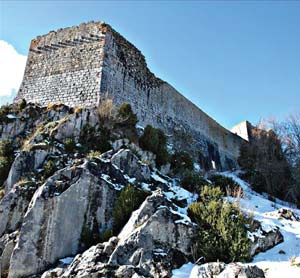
152,243
263,239
14,204
66,206
129,163
58,202
222,270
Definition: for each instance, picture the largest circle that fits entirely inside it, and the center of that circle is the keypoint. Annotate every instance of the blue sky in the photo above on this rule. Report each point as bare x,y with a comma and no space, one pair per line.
236,60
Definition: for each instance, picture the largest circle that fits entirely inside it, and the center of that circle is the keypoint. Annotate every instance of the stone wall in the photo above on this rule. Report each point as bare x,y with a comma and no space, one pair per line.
84,64
65,66
126,78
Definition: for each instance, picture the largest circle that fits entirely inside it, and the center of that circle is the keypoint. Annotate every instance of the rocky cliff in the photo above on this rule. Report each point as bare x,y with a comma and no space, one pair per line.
57,206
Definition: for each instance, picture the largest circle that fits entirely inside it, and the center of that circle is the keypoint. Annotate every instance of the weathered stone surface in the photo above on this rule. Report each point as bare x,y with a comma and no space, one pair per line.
131,165
221,270
23,163
7,244
60,209
143,155
151,244
13,206
71,126
90,62
154,239
265,240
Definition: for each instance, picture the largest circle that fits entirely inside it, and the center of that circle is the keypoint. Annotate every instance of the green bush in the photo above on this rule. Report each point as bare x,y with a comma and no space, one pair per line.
92,236
89,237
181,161
6,148
4,111
105,235
265,163
192,181
129,200
154,140
96,140
22,104
49,168
70,145
6,158
221,231
4,169
227,185
126,115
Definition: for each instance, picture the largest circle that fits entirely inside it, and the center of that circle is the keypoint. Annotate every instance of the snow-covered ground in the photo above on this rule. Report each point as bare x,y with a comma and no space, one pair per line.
276,261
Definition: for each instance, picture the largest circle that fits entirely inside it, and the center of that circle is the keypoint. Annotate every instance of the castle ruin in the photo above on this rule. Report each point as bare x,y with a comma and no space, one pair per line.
81,65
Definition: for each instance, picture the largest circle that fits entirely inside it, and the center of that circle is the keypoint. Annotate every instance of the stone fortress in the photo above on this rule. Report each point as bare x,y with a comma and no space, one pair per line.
82,65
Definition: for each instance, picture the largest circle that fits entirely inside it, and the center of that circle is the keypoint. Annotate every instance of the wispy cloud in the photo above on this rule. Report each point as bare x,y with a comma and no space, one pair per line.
12,65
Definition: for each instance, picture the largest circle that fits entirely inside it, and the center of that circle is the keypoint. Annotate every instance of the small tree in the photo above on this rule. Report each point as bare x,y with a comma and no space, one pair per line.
70,145
49,168
264,161
227,185
126,115
22,104
129,200
221,233
192,181
154,140
181,161
6,158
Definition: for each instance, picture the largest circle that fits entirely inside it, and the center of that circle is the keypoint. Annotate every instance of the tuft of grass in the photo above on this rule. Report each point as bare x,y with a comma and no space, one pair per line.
93,154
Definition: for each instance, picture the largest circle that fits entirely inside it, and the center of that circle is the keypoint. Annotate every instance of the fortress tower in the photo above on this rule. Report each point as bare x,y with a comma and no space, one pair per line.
81,65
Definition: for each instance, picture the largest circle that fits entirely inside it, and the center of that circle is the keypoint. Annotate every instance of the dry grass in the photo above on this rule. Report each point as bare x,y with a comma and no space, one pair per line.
2,193
53,105
106,109
93,154
295,261
77,109
236,192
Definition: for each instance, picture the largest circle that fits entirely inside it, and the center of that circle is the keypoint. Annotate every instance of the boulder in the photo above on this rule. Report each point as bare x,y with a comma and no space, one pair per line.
91,261
153,242
263,239
146,156
71,125
70,204
25,162
7,244
286,214
155,239
130,164
13,206
222,270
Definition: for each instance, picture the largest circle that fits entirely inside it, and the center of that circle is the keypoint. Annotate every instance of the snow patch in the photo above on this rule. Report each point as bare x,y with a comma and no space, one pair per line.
67,260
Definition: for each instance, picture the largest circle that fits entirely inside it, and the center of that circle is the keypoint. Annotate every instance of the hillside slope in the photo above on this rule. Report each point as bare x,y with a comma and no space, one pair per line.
284,258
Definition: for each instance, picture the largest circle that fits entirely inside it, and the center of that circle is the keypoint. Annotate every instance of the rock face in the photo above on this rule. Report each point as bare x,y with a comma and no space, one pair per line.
154,241
131,165
66,206
14,205
90,62
25,162
7,245
59,200
221,270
